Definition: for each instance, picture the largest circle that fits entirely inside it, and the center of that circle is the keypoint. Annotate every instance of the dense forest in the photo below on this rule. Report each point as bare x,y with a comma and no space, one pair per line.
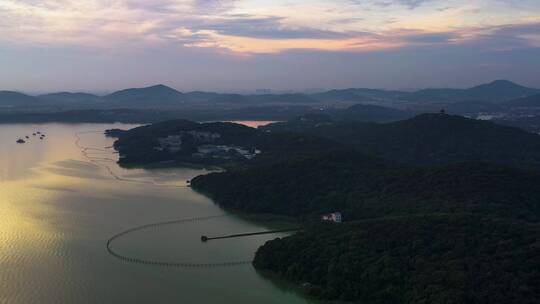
365,187
436,209
423,140
423,259
427,139
456,233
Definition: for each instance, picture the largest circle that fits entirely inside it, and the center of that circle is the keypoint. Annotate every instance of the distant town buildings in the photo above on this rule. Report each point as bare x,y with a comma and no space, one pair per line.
206,146
225,152
332,217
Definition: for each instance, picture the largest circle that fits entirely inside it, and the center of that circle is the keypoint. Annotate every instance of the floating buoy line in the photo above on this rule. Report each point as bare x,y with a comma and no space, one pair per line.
89,153
135,260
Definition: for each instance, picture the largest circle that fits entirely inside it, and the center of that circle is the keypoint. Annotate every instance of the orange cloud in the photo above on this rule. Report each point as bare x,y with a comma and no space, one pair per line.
249,45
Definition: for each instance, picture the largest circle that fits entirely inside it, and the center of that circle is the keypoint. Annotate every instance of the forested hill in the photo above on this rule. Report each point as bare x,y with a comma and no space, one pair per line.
458,233
432,259
365,187
217,143
495,91
357,112
428,139
454,230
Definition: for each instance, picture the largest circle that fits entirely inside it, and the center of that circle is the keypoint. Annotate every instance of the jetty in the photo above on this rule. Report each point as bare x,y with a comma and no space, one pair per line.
205,238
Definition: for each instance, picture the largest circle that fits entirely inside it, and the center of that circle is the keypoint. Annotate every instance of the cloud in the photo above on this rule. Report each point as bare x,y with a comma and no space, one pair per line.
238,26
419,37
509,36
410,4
214,6
266,28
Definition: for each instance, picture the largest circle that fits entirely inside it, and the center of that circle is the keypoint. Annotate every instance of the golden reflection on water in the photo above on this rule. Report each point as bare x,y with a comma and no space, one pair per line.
32,178
27,210
57,209
24,230
35,179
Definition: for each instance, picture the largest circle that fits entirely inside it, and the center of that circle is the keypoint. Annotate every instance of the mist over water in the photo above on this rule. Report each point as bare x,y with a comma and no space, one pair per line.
60,202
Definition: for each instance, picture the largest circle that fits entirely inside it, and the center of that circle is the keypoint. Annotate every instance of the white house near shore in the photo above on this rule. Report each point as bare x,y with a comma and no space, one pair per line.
332,217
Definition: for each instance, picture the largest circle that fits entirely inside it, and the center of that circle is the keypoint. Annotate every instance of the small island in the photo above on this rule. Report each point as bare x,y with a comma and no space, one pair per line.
216,144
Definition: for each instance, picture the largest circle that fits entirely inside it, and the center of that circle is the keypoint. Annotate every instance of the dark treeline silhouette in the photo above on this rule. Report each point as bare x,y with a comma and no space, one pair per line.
428,224
457,233
436,208
427,139
423,259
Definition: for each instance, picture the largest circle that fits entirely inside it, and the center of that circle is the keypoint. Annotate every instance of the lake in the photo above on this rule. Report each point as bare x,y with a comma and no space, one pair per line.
63,197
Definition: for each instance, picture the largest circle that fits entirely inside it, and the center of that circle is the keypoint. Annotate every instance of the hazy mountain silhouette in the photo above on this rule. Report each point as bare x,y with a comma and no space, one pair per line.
357,95
10,98
529,101
496,91
430,138
158,94
200,96
69,97
161,95
229,98
281,98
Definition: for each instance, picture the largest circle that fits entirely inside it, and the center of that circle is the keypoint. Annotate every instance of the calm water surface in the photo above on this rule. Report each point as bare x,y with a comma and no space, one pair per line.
59,204
254,123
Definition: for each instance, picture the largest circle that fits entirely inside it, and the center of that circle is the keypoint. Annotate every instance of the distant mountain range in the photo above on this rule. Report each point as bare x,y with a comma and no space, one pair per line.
529,101
146,96
498,91
358,95
9,98
69,97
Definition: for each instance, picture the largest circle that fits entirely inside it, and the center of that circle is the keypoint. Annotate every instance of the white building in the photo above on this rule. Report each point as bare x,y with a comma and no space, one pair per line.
332,217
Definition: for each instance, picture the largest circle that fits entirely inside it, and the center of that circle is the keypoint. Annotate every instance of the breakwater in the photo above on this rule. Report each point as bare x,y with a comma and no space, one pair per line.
205,238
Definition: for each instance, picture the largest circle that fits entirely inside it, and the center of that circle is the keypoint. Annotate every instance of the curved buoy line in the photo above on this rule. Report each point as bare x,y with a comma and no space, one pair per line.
129,259
126,258
99,161
89,155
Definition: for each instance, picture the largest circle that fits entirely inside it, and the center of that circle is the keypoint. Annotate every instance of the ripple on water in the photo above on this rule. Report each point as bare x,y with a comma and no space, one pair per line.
58,208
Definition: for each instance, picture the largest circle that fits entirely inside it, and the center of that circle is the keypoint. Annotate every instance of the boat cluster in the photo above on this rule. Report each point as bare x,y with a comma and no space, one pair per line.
37,134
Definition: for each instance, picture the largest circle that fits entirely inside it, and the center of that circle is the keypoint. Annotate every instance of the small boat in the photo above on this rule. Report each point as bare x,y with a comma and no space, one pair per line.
38,132
20,141
27,137
33,134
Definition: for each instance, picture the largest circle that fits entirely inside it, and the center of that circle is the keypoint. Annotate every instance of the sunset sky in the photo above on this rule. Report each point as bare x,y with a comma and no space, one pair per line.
103,45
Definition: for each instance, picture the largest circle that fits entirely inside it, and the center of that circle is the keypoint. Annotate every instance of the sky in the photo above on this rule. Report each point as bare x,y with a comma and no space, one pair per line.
235,45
